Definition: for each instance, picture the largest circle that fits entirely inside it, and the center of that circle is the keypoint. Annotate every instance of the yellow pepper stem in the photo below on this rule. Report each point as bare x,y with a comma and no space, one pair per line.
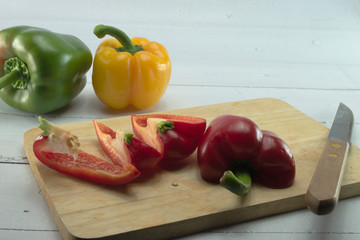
127,46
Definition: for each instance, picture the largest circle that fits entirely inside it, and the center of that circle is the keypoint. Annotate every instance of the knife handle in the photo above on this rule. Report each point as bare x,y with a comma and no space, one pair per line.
323,192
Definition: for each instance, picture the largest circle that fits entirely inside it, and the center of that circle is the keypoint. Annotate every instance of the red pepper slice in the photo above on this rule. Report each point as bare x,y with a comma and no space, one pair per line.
86,166
175,137
233,145
58,149
274,162
124,148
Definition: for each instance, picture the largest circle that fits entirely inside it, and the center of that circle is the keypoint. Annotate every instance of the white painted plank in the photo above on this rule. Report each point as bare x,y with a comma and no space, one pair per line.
333,14
252,34
22,204
21,234
267,74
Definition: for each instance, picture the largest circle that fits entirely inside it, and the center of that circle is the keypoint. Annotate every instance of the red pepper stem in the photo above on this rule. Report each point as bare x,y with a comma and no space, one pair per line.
238,183
163,126
101,30
54,132
128,138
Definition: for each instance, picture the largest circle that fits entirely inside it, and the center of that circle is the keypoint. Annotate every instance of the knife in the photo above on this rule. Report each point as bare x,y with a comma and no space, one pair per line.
323,192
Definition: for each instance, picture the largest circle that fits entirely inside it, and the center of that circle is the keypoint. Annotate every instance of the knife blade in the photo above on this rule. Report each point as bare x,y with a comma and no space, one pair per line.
324,189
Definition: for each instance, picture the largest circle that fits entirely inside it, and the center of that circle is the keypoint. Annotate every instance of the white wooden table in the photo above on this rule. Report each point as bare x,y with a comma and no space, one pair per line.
306,53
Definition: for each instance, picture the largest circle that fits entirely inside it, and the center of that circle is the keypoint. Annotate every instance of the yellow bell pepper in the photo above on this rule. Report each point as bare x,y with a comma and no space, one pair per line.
129,72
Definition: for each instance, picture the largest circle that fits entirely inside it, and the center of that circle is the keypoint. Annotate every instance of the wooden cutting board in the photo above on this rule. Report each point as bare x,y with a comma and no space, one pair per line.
177,202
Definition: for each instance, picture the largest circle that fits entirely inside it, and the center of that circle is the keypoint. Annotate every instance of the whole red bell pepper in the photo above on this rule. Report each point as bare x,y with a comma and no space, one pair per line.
58,149
235,150
174,137
123,147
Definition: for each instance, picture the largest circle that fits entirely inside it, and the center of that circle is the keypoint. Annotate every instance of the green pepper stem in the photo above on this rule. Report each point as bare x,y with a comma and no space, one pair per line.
101,30
238,183
16,73
10,77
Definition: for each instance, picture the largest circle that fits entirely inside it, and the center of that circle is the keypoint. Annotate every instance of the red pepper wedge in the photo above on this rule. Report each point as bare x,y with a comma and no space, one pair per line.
175,137
123,147
235,147
58,149
274,162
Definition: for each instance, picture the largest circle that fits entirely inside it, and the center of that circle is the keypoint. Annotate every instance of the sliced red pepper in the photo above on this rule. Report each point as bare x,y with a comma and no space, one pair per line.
233,145
228,142
274,163
124,148
174,137
58,149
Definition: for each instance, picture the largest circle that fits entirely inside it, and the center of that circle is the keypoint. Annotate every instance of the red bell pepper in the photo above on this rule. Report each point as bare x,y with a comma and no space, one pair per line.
174,137
121,147
234,149
274,163
58,149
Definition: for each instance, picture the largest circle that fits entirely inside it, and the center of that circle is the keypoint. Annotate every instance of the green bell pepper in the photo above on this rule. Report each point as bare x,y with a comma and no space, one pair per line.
41,71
